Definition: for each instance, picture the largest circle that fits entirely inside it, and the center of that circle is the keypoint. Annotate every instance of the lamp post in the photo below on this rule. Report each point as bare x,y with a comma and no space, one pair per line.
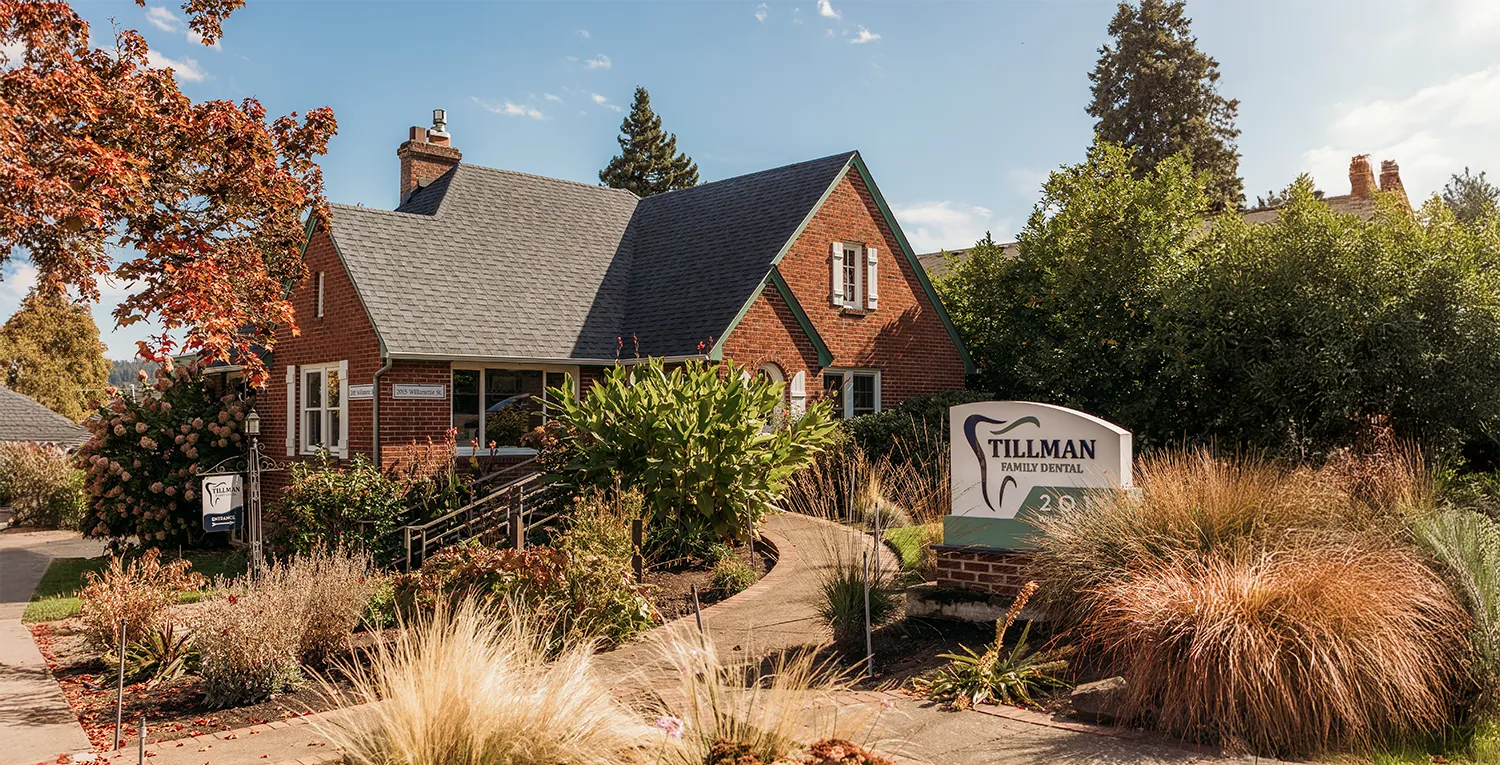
257,554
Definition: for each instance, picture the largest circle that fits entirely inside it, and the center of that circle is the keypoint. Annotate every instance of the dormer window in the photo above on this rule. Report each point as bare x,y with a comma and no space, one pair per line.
855,277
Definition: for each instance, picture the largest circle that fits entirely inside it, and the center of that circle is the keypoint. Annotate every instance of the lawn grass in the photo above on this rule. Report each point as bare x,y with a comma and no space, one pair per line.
911,541
1478,745
56,596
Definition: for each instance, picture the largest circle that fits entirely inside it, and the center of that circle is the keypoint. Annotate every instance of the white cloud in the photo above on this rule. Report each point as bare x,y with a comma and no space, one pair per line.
1430,132
604,102
186,68
584,33
933,226
828,33
761,12
15,285
510,108
825,9
164,19
864,36
599,62
550,97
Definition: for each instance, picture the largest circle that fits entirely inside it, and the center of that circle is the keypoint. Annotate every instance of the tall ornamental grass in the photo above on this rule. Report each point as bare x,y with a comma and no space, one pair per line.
1284,611
465,684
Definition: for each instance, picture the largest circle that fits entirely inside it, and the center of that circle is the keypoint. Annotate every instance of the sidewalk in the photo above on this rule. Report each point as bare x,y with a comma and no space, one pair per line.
36,722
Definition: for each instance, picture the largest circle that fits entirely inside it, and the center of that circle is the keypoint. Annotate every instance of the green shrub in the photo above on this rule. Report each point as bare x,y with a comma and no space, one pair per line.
1466,546
1125,301
692,439
915,430
41,485
732,574
578,597
997,675
329,506
144,457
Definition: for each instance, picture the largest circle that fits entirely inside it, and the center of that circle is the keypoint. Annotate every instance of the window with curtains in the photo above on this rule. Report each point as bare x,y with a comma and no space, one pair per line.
322,408
493,407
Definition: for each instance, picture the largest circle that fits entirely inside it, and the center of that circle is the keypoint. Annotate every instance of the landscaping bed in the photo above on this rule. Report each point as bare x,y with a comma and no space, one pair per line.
174,710
671,585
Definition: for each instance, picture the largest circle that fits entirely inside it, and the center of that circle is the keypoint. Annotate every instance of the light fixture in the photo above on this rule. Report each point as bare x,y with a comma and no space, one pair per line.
252,423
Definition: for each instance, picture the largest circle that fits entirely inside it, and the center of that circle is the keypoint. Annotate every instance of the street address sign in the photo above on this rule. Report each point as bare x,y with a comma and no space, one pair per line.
1012,460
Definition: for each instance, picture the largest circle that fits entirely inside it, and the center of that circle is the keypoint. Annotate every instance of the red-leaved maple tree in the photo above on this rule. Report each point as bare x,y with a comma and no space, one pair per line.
106,168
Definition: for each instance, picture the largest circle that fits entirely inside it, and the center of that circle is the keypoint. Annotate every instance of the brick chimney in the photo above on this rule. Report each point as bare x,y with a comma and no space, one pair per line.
1361,177
426,155
1390,180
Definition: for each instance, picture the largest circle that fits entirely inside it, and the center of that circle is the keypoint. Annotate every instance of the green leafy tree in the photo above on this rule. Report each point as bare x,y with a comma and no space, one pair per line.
1471,196
50,351
1155,92
693,439
1293,335
648,162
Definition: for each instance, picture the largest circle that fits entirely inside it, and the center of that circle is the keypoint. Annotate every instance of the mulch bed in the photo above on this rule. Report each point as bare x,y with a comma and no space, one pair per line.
173,710
671,584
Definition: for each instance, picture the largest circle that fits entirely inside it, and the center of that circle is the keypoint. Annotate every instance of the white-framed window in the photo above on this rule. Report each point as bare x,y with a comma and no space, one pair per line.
855,276
324,408
495,405
319,311
852,392
772,371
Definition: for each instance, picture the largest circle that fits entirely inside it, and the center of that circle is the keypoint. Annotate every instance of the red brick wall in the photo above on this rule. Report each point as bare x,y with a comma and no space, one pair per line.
997,573
903,338
344,332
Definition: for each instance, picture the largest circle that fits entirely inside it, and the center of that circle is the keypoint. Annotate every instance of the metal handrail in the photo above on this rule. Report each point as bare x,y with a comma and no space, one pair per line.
496,514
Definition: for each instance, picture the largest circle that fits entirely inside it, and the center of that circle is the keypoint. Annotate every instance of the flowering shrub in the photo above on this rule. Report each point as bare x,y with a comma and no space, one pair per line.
41,485
138,591
579,596
144,457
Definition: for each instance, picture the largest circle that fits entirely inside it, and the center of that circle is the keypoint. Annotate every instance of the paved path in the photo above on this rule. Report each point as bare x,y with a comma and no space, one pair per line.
36,722
777,613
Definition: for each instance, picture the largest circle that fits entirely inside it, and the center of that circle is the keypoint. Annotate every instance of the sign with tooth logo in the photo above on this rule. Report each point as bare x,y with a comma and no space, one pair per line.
1012,460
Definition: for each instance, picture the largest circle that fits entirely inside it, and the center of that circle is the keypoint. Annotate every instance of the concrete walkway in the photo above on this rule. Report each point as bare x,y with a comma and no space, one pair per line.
779,612
36,722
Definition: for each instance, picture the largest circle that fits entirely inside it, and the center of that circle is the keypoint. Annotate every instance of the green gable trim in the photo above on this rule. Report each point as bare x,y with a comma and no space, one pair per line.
716,353
825,356
916,265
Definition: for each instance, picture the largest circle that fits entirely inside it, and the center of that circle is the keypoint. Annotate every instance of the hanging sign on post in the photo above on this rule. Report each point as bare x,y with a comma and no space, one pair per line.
223,501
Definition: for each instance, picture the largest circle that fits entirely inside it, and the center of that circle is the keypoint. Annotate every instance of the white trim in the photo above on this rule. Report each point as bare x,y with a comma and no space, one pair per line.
836,277
798,388
293,421
844,261
343,409
319,312
500,451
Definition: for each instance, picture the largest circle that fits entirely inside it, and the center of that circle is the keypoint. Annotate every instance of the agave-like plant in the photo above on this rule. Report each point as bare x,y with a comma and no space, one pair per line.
1010,677
161,656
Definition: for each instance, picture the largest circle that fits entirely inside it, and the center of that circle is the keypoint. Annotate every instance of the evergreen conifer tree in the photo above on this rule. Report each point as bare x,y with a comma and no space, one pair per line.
648,162
50,351
1155,92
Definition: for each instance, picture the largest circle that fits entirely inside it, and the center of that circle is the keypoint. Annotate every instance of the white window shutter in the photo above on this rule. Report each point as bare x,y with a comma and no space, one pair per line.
344,410
872,281
838,273
799,394
291,410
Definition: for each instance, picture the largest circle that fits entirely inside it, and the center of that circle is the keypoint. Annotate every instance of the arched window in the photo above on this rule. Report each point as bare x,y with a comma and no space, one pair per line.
771,371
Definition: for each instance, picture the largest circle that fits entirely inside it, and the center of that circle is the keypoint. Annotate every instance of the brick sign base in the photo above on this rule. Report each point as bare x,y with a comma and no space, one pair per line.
982,569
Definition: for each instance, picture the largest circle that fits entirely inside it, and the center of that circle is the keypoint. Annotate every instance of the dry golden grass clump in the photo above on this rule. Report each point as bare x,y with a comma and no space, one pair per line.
470,685
1281,610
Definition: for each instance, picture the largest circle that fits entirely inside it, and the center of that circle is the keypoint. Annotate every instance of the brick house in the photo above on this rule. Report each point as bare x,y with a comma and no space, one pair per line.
485,286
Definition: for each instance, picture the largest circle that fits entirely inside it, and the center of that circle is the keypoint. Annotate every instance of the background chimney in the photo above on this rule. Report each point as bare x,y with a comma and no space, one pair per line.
1361,177
426,155
1390,180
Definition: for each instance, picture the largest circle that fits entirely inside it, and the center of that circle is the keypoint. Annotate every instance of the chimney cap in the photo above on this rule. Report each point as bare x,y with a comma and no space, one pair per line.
439,123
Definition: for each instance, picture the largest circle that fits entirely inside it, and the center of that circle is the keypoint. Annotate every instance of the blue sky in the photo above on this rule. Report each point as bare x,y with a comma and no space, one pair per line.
960,109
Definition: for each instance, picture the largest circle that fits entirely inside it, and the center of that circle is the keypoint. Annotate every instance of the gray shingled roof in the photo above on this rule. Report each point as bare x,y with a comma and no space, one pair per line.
22,419
494,263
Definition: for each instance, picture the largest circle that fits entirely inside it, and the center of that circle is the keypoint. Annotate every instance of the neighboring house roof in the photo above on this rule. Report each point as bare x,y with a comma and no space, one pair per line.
23,419
486,263
936,263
